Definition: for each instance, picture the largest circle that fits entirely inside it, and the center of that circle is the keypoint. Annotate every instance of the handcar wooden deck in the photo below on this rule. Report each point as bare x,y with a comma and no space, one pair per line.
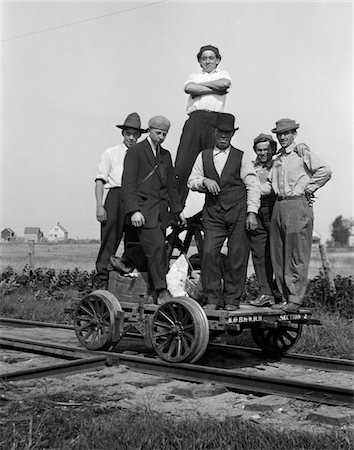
180,329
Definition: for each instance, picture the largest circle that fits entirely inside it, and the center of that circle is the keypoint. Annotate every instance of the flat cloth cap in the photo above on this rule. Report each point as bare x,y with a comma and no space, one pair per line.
265,138
208,47
159,122
285,125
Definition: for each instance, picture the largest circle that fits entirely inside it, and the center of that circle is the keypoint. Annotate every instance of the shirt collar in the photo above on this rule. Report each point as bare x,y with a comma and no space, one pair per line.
258,163
217,150
209,73
153,146
288,149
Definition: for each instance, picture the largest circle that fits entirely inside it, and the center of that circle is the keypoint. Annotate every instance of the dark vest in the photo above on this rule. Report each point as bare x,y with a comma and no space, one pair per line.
232,188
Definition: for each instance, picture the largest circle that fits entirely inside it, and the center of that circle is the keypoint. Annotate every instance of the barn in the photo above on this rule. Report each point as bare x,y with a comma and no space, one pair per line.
57,233
7,235
33,234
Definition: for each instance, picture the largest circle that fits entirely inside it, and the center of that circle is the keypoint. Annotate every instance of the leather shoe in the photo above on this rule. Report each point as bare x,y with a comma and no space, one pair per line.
230,307
164,296
291,307
263,300
210,307
119,265
279,306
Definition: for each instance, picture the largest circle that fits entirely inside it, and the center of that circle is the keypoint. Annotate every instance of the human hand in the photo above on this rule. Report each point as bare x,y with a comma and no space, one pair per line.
101,214
182,219
251,221
211,186
310,197
137,219
300,149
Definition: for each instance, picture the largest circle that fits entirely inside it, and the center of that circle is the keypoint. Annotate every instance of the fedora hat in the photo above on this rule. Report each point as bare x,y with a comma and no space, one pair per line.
285,125
225,122
265,138
132,121
208,47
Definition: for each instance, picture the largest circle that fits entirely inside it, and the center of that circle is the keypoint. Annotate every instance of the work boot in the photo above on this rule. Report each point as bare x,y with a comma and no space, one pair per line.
263,300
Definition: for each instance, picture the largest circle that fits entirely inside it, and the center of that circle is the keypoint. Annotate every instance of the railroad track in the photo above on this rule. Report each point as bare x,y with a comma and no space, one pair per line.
311,361
232,379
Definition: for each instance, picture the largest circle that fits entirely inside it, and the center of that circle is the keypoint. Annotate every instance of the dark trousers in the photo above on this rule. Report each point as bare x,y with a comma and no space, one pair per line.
197,135
153,243
290,245
219,225
111,231
260,248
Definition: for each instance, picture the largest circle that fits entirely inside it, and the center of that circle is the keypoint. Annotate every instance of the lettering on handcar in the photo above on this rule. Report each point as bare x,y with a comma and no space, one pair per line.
244,319
293,316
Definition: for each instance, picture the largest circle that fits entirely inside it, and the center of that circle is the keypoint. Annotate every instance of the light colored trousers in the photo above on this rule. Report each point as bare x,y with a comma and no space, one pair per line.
290,246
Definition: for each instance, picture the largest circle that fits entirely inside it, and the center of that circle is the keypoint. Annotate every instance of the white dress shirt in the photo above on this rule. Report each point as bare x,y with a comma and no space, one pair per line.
110,166
247,173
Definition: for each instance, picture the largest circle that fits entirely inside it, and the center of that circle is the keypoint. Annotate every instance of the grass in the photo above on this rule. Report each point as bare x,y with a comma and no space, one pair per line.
83,256
50,422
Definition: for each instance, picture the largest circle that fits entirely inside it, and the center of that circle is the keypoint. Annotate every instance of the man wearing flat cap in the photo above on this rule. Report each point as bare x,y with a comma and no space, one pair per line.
232,197
294,180
207,95
109,180
150,197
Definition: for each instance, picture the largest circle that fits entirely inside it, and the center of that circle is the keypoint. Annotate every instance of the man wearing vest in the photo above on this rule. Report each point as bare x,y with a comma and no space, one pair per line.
232,198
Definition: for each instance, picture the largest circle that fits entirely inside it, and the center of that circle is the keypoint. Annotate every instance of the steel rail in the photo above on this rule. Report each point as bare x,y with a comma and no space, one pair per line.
234,380
313,361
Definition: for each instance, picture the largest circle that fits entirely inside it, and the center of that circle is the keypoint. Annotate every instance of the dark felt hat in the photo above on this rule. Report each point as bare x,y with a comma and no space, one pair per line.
209,47
265,138
132,121
225,122
285,125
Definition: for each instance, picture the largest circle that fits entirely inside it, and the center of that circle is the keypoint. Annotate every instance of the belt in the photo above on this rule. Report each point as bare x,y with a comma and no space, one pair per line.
289,197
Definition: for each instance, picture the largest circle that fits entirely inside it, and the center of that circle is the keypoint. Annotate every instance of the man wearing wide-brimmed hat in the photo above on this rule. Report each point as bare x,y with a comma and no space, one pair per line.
109,180
150,198
207,95
232,197
294,179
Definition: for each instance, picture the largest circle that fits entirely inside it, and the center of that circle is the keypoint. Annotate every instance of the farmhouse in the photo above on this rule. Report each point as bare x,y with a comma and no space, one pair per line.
57,233
7,235
33,234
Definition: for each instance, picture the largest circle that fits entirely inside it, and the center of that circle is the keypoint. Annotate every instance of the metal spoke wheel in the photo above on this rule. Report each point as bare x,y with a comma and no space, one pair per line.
95,320
180,330
277,341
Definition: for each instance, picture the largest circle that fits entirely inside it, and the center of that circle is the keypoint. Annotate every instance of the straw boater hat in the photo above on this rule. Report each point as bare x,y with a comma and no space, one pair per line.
225,122
285,125
264,138
132,121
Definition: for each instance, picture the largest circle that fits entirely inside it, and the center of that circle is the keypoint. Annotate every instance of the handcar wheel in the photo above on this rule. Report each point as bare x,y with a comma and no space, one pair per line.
277,341
95,320
179,331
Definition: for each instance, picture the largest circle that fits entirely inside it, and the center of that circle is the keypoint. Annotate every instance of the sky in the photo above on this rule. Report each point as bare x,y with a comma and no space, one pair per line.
72,71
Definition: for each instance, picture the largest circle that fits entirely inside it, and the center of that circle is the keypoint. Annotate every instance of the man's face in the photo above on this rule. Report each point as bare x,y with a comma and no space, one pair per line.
130,136
286,138
223,138
208,61
263,151
157,136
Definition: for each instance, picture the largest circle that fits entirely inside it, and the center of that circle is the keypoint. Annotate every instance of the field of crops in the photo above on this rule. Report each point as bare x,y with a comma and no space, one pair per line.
83,256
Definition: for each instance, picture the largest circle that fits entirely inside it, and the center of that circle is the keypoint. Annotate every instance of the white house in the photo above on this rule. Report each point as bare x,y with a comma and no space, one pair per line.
57,233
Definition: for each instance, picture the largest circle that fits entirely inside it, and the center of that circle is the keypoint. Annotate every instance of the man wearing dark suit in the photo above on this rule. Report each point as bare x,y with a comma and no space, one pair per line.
150,197
232,198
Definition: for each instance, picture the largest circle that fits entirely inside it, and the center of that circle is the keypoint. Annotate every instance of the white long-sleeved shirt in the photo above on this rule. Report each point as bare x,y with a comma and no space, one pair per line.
110,166
247,173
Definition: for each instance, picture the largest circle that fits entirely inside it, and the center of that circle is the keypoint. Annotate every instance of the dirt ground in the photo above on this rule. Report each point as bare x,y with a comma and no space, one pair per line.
120,387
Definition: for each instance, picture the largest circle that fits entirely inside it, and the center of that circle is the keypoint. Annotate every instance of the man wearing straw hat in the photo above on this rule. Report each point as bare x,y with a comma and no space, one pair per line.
109,180
294,180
